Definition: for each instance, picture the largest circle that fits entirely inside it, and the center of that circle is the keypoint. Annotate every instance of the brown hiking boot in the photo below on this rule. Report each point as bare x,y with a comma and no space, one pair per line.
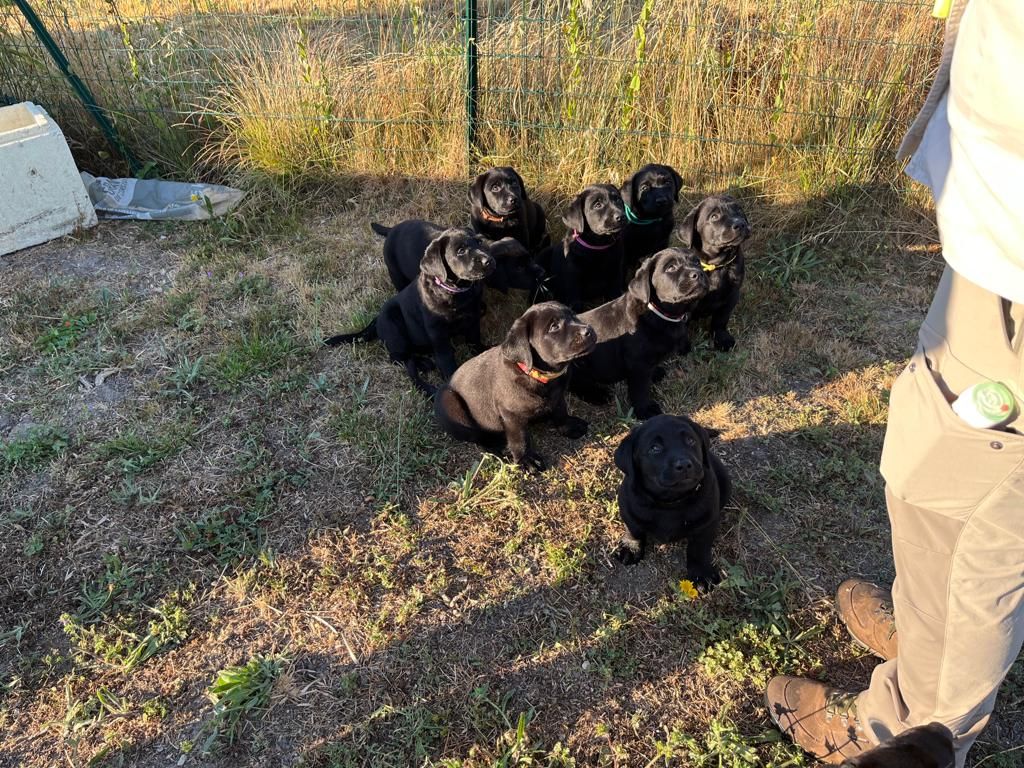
866,610
818,719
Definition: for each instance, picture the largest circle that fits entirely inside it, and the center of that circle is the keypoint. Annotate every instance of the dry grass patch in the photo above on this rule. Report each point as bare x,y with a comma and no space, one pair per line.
236,497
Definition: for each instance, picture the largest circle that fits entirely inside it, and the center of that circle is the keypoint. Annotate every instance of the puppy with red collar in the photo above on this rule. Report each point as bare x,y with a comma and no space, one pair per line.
494,397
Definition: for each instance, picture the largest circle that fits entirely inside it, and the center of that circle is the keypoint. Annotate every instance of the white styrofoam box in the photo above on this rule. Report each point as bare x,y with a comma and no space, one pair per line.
41,193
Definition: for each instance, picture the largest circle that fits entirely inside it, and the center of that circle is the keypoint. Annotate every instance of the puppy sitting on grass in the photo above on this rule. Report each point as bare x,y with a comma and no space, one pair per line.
674,488
716,228
443,302
492,398
639,330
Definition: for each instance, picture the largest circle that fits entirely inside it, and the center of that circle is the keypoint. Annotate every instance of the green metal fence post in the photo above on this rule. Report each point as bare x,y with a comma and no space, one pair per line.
472,88
80,88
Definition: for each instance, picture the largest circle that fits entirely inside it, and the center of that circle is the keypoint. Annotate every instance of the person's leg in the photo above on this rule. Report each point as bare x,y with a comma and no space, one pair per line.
956,504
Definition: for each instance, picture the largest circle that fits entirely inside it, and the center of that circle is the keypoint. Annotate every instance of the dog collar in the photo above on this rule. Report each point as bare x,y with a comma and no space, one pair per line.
542,376
632,218
712,267
450,288
493,217
585,244
671,318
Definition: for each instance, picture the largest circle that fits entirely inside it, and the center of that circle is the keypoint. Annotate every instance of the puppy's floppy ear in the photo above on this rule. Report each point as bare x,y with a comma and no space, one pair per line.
624,454
476,191
640,286
628,190
688,232
516,346
575,218
433,264
677,180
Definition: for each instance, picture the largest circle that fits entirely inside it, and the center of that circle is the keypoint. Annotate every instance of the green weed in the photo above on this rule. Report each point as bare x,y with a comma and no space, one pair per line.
239,692
33,447
66,334
133,453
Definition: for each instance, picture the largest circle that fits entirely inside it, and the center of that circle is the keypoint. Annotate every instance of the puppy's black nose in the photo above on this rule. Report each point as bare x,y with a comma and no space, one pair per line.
693,275
741,227
619,217
681,464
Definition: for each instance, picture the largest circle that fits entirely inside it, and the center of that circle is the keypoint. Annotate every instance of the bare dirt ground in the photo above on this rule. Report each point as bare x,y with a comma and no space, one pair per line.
190,482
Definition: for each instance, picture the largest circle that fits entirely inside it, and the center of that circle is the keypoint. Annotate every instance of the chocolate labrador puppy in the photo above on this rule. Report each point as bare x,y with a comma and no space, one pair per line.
499,207
640,329
649,196
717,228
405,243
493,397
443,302
586,269
926,746
674,488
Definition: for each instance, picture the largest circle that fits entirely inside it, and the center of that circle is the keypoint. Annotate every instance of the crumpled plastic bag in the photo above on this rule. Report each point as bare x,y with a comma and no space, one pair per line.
153,199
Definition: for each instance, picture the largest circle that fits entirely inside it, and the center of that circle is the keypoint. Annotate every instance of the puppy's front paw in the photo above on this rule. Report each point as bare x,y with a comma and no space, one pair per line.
575,428
724,341
425,364
532,461
647,411
659,373
704,577
629,551
685,346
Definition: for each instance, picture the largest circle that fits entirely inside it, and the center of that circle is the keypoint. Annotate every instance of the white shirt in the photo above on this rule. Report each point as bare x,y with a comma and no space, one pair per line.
972,152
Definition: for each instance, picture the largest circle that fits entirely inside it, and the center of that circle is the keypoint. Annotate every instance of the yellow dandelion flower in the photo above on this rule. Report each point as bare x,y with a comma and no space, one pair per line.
687,590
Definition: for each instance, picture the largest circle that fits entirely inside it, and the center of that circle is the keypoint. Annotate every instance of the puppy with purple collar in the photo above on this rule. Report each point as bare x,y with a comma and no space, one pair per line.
640,329
673,488
586,267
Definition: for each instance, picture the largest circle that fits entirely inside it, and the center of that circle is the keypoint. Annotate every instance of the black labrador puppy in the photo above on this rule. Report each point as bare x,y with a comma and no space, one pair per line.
649,196
717,228
639,330
499,207
493,397
674,488
926,746
586,269
405,243
442,303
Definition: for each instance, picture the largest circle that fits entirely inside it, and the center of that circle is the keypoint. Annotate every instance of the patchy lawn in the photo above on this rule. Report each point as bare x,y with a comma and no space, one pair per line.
224,544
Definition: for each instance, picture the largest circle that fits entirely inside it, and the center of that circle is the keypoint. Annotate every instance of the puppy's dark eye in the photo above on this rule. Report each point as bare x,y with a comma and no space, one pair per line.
598,204
655,448
690,441
644,187
714,217
555,327
495,187
463,251
672,266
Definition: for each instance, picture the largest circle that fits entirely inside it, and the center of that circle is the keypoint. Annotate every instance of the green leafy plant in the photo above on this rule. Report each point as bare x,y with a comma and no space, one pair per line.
239,692
33,447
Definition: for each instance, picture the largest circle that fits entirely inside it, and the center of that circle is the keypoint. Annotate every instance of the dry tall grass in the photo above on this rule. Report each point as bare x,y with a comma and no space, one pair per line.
808,93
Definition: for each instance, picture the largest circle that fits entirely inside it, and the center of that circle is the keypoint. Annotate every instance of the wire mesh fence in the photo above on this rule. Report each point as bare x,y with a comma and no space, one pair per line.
568,91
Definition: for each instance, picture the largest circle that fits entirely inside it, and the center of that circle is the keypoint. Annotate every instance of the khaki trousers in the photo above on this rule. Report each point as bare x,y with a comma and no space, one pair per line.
956,506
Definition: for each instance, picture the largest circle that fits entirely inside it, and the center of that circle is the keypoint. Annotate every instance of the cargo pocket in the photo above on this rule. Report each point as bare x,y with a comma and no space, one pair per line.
931,458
